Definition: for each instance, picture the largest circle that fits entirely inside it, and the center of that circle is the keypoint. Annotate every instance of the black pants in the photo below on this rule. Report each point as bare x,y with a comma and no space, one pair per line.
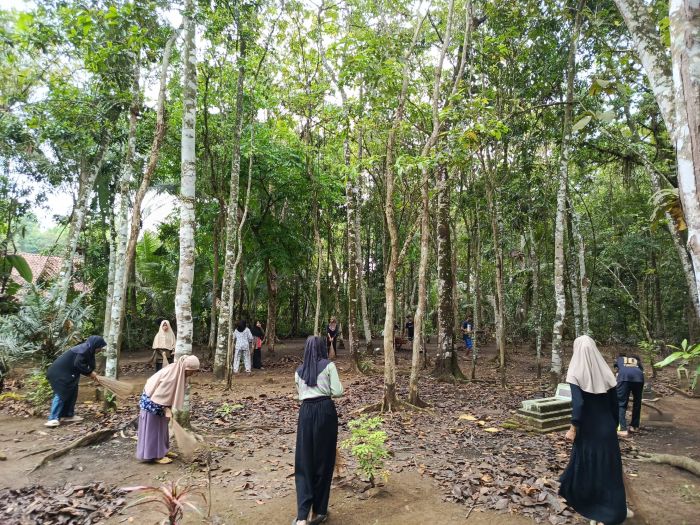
314,460
257,358
332,342
623,396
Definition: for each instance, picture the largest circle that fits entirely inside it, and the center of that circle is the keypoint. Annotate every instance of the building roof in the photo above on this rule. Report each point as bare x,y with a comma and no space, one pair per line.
44,267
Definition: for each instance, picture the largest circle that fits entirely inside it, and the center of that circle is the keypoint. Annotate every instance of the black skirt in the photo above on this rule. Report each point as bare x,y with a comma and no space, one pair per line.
592,483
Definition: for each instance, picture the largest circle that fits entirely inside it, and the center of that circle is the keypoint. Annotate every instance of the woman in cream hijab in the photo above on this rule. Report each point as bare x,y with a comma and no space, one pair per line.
164,391
592,482
163,345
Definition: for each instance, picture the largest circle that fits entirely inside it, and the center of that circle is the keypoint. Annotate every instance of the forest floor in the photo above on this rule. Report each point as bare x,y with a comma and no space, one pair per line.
444,469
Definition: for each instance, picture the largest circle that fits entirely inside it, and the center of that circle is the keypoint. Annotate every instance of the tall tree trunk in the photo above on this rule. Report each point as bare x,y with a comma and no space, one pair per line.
676,87
659,330
390,400
188,177
477,295
158,136
362,283
228,282
560,221
499,299
271,330
582,276
220,221
573,275
86,183
121,208
319,266
110,284
684,16
536,308
455,289
446,364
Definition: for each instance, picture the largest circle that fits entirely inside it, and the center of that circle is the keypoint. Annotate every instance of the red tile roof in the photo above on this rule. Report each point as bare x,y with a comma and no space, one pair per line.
44,267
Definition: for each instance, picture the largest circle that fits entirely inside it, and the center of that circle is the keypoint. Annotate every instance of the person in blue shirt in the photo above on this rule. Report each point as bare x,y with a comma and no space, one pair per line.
467,333
630,380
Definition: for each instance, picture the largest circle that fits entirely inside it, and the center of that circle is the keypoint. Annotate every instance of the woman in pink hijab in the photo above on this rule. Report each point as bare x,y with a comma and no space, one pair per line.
164,391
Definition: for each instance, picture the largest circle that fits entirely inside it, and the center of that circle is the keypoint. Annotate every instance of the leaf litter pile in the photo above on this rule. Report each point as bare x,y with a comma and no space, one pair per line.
77,505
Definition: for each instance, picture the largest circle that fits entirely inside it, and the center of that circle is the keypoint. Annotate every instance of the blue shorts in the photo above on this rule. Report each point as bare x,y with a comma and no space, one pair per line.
468,342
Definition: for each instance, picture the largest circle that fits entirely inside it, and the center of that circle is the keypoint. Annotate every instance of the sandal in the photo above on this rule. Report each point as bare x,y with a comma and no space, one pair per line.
321,518
170,454
163,461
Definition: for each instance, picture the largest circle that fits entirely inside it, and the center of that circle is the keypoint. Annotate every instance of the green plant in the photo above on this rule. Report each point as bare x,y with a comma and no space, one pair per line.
649,350
689,356
171,499
367,444
43,327
39,391
226,409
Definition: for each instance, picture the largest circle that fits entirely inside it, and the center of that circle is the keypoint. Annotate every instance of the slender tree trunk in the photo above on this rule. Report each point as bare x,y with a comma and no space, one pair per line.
158,136
454,242
110,284
572,274
358,238
560,221
86,183
271,334
188,177
220,220
477,296
121,208
319,267
582,277
446,364
229,277
499,300
536,308
659,330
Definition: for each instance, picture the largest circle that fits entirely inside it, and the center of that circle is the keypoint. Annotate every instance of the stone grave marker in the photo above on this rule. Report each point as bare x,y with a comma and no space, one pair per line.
550,414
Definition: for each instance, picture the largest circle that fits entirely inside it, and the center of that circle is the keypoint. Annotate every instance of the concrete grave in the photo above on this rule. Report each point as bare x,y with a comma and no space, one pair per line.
550,414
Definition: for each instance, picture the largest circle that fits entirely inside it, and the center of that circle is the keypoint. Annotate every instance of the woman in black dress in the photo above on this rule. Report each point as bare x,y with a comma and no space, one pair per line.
64,376
592,482
258,337
332,336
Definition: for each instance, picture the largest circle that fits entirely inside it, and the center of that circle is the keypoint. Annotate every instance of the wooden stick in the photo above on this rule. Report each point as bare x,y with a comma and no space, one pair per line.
682,462
94,437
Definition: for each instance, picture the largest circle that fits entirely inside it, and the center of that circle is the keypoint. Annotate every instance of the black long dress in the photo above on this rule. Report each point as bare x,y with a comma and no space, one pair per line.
257,352
592,482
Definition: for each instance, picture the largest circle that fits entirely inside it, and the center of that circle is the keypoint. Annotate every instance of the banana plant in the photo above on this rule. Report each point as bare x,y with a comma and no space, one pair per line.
688,356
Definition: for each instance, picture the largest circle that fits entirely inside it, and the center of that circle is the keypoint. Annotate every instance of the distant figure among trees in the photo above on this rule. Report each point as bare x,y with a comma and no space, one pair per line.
163,345
409,328
332,336
258,339
468,333
592,482
243,339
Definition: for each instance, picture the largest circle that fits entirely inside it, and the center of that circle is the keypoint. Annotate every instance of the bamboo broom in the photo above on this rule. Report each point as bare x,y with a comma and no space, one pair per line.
119,388
186,442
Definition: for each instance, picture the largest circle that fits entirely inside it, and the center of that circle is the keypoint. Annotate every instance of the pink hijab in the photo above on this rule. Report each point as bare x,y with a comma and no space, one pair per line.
167,386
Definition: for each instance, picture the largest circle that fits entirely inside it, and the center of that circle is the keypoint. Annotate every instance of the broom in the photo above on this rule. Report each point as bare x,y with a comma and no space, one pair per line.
186,442
118,388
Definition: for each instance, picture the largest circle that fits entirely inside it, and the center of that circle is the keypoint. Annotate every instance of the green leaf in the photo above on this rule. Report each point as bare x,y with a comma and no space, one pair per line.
23,269
581,123
670,359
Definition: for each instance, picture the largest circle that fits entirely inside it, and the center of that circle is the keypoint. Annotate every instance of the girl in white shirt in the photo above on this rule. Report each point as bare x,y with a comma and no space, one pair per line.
243,338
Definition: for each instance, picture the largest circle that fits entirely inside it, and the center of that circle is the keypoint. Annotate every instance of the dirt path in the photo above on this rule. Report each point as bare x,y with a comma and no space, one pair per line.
252,451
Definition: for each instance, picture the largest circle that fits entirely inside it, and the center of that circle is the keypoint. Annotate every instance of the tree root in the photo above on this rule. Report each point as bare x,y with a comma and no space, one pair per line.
396,406
681,462
94,437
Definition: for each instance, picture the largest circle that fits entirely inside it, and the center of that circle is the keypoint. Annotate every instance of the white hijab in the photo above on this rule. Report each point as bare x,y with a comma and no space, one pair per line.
164,339
588,368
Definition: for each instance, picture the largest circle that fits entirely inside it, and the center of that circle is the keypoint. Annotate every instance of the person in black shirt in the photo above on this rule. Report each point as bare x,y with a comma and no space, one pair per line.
258,337
409,327
332,336
630,380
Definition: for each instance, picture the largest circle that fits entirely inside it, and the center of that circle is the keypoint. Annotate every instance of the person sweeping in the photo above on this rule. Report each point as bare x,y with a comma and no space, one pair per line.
163,345
317,432
64,376
164,391
592,483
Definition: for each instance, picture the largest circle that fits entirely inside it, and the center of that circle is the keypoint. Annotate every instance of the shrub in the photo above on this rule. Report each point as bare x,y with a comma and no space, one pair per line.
367,444
39,391
172,499
688,356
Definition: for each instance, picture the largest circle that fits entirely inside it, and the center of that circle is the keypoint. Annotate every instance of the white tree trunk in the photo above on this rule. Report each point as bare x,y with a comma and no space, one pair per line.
684,16
86,182
228,286
188,176
581,271
110,285
121,220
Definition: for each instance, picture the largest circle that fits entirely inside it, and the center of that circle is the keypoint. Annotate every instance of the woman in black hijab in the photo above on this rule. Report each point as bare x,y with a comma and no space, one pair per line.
64,376
317,432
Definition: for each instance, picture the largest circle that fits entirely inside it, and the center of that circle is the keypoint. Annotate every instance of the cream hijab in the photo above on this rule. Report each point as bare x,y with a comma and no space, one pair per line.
588,368
164,338
167,386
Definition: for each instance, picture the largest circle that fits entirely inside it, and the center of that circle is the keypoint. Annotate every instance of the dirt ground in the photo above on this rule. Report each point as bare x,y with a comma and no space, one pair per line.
435,453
